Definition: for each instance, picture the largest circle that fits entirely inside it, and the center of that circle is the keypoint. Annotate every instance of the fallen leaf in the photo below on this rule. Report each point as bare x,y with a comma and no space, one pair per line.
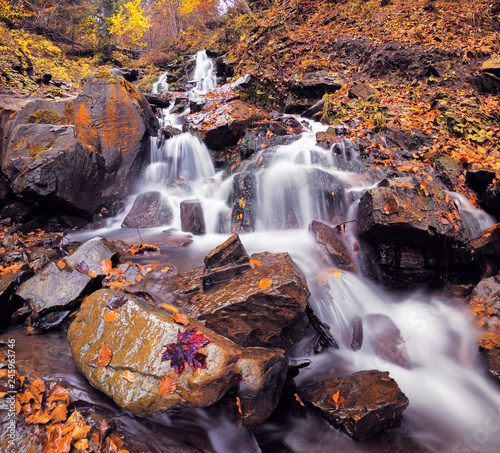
255,263
104,355
297,397
242,203
265,283
106,266
61,264
165,269
170,307
179,318
116,302
168,385
82,267
93,274
337,273
81,444
238,404
336,400
128,375
110,316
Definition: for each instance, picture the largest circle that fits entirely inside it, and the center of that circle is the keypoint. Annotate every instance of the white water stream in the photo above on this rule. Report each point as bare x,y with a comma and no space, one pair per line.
453,404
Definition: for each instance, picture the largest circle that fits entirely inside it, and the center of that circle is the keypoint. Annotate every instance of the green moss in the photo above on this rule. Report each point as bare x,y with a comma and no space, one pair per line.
36,148
45,116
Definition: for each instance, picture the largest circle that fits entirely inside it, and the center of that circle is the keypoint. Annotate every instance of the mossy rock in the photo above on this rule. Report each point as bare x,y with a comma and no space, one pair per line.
45,116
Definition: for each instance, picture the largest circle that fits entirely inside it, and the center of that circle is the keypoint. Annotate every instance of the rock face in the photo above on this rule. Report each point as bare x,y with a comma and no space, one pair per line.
56,290
224,125
414,238
490,200
243,215
192,220
371,402
488,244
64,153
136,340
332,243
150,209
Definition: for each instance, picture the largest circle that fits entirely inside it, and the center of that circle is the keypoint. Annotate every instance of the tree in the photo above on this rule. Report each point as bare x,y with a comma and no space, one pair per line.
129,24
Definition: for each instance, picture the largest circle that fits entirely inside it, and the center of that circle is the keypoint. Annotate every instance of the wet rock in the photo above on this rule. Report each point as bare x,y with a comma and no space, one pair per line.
386,340
19,212
479,180
493,358
254,140
410,237
490,200
205,102
372,402
263,373
487,292
223,126
333,244
327,138
361,90
9,283
409,141
244,197
488,244
150,209
192,220
229,252
137,339
52,293
264,306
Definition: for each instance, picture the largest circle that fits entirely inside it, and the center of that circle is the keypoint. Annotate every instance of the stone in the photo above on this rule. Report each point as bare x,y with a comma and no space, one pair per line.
223,126
490,200
192,220
372,402
410,238
254,140
229,252
93,252
487,291
386,340
488,244
361,90
150,209
137,339
244,198
492,66
479,180
9,283
334,246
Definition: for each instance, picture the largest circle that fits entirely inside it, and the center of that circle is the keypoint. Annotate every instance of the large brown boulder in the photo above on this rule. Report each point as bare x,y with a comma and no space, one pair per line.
367,402
413,233
224,125
79,154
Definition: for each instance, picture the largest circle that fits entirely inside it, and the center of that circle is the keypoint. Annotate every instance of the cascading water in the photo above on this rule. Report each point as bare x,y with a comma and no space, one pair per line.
204,73
453,406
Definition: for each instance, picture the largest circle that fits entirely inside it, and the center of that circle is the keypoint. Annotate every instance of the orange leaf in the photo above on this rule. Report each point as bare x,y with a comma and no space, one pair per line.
165,269
297,397
168,385
104,355
255,263
110,316
106,266
61,264
336,400
93,274
81,444
170,307
179,318
128,375
265,283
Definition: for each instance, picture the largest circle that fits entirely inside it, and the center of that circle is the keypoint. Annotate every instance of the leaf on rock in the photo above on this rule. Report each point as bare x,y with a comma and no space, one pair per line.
58,393
128,375
110,316
116,302
336,400
59,413
61,264
81,444
186,351
255,263
104,355
82,267
165,269
93,274
168,385
170,307
180,318
106,266
265,283
337,273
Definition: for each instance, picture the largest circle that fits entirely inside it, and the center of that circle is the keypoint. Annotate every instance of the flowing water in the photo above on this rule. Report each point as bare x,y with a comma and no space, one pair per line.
453,405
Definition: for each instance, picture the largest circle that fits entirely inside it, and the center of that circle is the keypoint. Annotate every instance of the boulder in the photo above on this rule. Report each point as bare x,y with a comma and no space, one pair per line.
150,209
334,246
367,403
386,340
244,198
192,220
65,152
488,292
229,252
361,90
254,140
492,66
488,244
479,180
413,234
9,283
58,288
224,125
133,373
490,200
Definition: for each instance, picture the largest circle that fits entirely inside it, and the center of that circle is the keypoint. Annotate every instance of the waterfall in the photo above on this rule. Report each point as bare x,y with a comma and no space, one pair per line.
204,77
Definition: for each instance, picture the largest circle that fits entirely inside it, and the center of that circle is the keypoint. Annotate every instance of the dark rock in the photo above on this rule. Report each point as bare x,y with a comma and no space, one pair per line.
263,373
223,126
479,180
386,340
490,200
223,68
357,334
229,252
372,402
19,212
137,340
316,84
9,283
130,75
361,90
411,238
244,198
492,66
493,358
410,141
204,102
333,244
150,209
156,100
324,338
488,244
192,220
254,140
247,310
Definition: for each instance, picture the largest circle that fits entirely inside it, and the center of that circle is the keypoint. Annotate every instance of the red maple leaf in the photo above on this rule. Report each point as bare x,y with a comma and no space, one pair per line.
186,350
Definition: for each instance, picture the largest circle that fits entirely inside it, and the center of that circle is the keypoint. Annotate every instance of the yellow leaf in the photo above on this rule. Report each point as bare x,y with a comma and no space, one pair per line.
337,273
165,269
93,274
255,263
170,307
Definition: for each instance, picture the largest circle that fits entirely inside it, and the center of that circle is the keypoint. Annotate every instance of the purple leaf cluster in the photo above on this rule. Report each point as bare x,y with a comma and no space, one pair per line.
186,351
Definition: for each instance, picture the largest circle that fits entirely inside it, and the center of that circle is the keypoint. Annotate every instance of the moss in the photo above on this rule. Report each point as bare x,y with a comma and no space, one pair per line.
69,111
36,148
45,116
